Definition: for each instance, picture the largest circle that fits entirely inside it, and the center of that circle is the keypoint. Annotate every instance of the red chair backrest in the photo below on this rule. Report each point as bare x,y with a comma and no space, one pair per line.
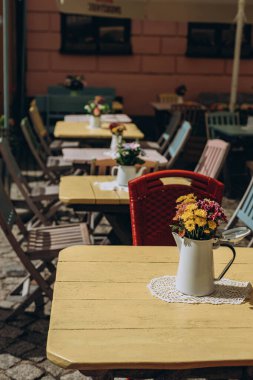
152,202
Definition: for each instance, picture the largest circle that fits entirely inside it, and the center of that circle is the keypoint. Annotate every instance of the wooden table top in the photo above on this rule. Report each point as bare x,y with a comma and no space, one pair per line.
104,317
109,118
77,130
86,155
84,190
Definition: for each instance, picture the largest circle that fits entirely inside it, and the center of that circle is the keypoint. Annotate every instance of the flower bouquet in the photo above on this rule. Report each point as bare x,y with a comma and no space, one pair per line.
128,154
74,82
181,90
197,218
117,130
95,108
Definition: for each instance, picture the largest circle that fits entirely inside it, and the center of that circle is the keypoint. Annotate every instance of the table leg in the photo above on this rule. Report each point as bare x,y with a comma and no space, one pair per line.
121,228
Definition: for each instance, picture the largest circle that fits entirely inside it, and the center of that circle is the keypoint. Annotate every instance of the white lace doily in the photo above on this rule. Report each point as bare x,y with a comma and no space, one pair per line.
110,185
226,291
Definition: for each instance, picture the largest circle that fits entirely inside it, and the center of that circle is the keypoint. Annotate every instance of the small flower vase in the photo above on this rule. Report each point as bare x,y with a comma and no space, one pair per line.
195,274
95,121
126,173
115,142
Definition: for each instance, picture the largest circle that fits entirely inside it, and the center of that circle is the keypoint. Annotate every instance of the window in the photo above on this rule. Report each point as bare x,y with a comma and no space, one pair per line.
216,40
95,35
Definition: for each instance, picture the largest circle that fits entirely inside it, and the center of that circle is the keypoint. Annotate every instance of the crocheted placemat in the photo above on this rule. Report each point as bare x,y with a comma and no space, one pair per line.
226,291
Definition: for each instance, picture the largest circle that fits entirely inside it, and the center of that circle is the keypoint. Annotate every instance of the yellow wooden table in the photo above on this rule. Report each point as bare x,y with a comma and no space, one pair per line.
104,318
84,193
85,190
77,130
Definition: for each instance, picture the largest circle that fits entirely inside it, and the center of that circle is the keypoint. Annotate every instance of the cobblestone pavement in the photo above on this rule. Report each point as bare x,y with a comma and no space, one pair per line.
23,340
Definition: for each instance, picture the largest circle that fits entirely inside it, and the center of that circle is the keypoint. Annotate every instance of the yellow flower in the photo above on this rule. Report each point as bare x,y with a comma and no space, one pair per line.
180,199
186,198
200,221
212,225
186,215
201,213
190,225
207,231
191,207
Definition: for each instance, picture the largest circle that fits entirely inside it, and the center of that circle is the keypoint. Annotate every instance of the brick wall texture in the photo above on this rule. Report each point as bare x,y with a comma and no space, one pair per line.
158,63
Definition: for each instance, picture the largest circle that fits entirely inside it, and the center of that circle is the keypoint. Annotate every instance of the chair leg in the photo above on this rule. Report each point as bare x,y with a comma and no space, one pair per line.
27,302
27,293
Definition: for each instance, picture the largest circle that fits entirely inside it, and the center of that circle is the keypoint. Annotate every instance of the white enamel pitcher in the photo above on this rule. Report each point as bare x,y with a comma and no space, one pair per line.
125,173
195,275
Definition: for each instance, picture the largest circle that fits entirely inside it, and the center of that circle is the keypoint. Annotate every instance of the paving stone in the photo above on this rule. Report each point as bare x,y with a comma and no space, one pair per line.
51,368
74,376
36,355
7,361
10,332
3,376
36,338
48,377
25,371
4,343
22,321
40,326
6,304
19,348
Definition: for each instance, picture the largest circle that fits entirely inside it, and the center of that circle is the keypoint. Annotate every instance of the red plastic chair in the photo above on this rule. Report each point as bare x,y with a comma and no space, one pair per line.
153,200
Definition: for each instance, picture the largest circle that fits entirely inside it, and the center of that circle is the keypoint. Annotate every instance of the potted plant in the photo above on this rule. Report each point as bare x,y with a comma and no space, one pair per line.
95,108
127,156
195,231
180,91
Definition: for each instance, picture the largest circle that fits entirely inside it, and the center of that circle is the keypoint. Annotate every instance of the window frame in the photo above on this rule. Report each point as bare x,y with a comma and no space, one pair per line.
94,25
218,50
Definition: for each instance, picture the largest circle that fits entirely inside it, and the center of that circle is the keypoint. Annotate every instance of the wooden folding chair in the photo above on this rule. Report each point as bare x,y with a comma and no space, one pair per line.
177,144
33,196
50,146
213,158
244,211
51,166
194,113
162,143
41,245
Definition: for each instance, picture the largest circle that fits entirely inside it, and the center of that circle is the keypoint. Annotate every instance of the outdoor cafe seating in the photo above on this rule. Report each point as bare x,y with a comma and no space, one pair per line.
134,218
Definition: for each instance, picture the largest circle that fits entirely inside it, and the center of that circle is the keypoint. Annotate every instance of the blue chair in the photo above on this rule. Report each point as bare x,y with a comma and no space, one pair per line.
244,211
177,144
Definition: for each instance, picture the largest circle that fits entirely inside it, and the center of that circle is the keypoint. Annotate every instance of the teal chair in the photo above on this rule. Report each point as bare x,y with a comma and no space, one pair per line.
244,211
177,144
220,118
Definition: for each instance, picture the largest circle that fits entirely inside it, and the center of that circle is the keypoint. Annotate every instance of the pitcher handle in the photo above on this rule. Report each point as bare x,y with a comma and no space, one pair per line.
229,263
114,170
142,170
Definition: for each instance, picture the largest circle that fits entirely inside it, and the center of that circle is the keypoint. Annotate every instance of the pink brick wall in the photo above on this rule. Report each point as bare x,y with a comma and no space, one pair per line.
157,65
